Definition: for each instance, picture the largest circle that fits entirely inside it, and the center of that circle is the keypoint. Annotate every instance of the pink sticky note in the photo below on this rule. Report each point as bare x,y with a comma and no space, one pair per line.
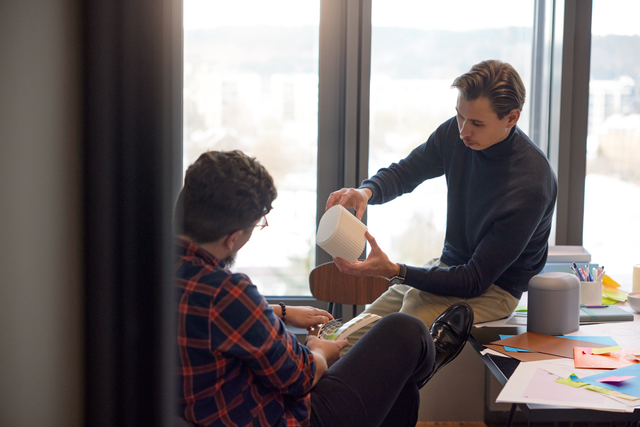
614,379
587,351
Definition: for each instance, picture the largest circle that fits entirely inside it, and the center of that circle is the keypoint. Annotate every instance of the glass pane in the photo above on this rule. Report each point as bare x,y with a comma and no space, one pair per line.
251,83
416,56
612,189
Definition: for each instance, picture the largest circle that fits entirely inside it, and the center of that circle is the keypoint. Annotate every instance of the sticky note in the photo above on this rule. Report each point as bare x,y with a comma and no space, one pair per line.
570,382
605,350
614,380
618,296
606,280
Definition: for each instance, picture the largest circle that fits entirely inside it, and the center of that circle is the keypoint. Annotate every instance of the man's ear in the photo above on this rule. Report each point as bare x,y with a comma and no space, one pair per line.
513,117
230,241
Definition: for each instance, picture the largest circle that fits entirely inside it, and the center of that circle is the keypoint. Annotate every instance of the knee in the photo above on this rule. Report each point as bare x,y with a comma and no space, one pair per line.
410,326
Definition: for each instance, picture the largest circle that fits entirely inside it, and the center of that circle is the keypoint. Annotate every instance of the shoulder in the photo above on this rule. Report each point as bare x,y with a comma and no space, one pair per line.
533,155
444,138
448,130
210,280
532,169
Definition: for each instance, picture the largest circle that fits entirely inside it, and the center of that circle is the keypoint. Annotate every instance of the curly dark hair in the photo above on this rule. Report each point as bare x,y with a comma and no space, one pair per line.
495,80
224,191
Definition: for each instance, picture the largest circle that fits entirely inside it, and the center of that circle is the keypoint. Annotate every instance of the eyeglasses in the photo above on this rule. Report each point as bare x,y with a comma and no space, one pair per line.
262,223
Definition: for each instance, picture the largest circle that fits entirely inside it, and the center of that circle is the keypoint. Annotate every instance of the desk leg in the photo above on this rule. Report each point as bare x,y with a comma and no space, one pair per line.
511,412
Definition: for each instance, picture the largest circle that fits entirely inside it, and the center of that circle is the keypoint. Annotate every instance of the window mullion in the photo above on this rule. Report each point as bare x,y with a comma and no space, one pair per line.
568,114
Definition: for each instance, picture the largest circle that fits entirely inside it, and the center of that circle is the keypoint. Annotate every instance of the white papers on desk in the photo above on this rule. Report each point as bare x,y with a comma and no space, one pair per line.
534,383
626,334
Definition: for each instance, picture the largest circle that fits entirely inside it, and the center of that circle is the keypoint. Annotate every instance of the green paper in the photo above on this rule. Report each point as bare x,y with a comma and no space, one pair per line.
570,382
608,301
618,296
598,389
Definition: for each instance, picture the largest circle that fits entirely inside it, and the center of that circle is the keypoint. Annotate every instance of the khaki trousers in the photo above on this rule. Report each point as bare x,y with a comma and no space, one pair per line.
494,304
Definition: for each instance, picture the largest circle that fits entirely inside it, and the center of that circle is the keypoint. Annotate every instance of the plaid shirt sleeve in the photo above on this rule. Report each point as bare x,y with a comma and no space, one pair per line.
238,363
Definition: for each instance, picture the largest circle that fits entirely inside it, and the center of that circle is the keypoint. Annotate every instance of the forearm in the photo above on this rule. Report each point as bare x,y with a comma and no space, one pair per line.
277,310
321,365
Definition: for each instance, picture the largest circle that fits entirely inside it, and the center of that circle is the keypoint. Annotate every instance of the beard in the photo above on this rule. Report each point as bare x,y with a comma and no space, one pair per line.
230,260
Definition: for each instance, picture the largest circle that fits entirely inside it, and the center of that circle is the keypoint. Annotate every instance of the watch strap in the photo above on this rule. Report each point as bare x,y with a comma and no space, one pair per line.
400,277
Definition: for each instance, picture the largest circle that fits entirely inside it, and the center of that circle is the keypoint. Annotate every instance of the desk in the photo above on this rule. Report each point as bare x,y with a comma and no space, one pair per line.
502,368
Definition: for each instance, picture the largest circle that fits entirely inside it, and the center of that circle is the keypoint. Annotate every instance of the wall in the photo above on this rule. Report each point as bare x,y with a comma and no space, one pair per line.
456,392
40,220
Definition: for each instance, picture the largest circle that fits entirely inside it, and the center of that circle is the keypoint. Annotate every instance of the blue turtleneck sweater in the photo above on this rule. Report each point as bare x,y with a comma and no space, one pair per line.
500,204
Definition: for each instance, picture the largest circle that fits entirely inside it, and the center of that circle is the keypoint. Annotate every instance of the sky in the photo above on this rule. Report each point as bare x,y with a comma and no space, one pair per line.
609,16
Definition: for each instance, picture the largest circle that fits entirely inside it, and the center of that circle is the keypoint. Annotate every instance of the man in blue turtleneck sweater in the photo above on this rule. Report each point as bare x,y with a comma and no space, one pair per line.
501,197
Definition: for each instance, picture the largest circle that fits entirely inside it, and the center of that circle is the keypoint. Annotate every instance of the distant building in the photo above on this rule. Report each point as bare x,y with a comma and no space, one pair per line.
608,97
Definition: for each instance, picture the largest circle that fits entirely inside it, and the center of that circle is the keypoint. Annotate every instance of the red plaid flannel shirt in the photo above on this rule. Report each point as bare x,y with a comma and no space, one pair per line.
238,363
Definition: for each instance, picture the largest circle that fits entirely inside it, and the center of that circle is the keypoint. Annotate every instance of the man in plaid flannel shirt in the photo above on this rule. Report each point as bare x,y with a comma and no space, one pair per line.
238,364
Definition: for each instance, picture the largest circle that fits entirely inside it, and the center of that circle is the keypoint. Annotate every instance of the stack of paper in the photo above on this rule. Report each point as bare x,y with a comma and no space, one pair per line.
590,372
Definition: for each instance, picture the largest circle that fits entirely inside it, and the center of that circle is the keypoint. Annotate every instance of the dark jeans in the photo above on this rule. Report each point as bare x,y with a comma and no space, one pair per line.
377,382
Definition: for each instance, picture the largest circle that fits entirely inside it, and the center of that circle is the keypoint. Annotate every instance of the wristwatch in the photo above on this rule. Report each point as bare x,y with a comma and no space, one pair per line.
399,278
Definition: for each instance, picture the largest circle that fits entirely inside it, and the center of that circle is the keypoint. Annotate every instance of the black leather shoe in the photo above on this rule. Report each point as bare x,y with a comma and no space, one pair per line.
450,332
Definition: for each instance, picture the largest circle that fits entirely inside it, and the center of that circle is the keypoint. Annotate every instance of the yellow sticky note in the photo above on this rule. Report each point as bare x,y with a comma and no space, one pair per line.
606,280
605,350
622,395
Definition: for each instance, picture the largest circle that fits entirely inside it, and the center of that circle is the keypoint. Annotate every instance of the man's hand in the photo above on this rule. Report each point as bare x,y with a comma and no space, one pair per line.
325,352
376,264
356,198
306,317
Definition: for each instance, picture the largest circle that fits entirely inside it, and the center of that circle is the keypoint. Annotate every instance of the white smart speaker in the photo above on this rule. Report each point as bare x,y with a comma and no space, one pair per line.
553,304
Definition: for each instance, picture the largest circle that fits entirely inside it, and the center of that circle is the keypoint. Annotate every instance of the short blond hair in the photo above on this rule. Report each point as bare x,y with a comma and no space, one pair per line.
495,80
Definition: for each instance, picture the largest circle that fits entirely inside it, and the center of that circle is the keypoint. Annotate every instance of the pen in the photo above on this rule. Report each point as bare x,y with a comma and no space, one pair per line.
595,306
582,276
585,275
577,273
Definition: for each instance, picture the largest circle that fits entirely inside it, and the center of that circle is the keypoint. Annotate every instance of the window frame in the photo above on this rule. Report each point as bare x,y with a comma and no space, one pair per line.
132,74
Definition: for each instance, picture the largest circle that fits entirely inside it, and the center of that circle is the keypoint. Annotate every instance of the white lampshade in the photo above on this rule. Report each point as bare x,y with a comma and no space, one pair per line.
341,234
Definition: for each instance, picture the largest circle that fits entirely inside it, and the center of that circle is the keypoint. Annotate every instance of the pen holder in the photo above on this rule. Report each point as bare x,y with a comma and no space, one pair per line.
591,293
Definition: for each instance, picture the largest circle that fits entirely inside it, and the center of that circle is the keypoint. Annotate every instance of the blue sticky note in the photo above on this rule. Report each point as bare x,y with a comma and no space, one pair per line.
630,386
605,340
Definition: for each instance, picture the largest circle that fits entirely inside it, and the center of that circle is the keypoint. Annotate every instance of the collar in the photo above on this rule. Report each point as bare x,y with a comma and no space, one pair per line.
189,249
504,148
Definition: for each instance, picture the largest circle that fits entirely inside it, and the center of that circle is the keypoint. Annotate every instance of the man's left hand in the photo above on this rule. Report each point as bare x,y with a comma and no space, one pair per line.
376,264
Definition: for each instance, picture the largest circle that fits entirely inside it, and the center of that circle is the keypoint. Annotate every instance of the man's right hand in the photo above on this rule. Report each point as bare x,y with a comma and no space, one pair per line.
329,349
356,198
326,353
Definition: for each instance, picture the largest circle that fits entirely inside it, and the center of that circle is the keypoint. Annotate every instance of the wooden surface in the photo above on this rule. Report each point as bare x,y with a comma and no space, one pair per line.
328,284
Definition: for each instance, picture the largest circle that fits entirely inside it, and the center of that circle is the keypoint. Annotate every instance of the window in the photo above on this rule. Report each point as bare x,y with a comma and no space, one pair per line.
251,83
415,57
612,188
